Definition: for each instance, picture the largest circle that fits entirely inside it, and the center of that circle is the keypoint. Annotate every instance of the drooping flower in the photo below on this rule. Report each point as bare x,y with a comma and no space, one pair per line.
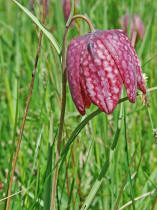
97,65
137,26
67,8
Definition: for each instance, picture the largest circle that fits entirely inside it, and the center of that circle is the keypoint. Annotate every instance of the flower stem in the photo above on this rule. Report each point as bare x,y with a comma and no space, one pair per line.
128,161
63,103
86,19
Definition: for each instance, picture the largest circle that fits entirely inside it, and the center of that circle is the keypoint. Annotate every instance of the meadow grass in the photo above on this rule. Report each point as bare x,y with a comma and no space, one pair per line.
120,174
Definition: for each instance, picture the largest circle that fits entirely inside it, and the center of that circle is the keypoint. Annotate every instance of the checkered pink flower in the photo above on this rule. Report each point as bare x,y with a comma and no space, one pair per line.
137,26
97,66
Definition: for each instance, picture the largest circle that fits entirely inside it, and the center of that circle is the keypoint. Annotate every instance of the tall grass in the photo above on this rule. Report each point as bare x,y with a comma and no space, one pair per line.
82,177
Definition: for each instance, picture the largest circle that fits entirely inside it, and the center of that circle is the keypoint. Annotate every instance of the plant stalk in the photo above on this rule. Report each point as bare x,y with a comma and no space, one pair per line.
63,102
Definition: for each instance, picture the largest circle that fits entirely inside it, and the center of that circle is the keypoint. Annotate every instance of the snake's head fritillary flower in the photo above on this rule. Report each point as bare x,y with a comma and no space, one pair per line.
97,66
67,8
137,26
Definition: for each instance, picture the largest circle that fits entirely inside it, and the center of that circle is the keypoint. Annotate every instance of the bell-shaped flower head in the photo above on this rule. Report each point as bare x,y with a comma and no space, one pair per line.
97,65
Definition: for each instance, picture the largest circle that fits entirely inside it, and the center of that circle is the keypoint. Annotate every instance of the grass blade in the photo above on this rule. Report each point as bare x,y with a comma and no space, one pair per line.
116,137
47,187
97,184
127,159
36,21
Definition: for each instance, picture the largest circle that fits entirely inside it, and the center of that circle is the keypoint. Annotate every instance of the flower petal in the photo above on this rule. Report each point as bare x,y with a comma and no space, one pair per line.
86,98
124,59
74,53
102,78
140,80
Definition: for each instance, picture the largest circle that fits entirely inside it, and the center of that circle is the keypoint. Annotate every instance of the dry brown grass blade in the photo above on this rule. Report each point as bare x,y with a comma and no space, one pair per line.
11,196
154,203
138,198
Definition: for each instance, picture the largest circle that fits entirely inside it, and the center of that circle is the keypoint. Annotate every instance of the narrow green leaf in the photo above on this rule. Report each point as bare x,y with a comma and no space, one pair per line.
97,184
48,183
145,38
128,162
8,90
116,137
36,21
78,129
71,192
48,175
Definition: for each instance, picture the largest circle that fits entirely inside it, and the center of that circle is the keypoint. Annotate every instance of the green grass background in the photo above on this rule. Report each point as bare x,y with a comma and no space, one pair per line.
87,155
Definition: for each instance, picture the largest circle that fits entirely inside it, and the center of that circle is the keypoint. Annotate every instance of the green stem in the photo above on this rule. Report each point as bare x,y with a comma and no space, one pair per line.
128,164
118,127
63,103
